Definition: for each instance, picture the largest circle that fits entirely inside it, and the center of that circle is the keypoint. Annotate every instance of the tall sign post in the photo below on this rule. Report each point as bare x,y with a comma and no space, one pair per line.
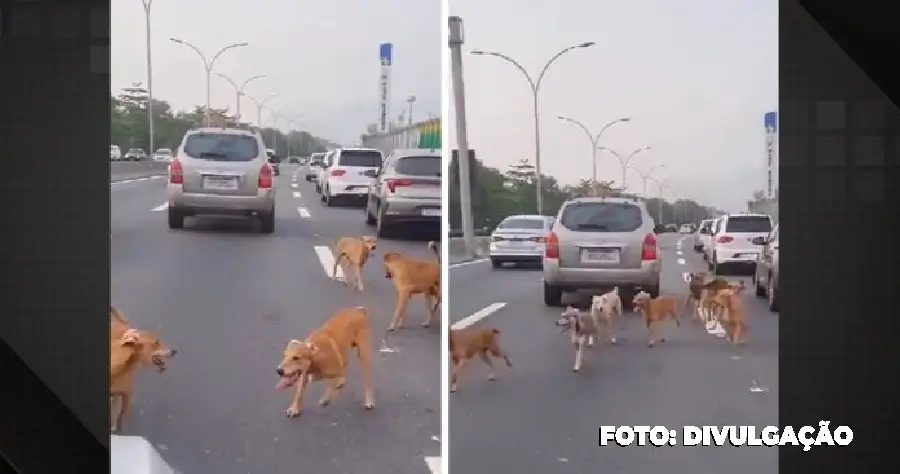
386,55
771,123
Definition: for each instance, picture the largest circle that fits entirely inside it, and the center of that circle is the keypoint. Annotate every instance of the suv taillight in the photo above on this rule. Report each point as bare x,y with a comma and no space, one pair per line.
176,172
393,184
265,177
649,249
724,239
338,172
552,247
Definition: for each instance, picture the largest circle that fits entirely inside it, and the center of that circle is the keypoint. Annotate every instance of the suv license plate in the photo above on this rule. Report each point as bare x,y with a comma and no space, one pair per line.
431,212
220,183
600,256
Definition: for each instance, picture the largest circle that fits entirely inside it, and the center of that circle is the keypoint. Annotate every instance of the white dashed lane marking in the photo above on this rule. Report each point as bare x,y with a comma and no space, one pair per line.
297,194
470,262
304,213
434,464
293,185
326,258
161,207
477,316
681,261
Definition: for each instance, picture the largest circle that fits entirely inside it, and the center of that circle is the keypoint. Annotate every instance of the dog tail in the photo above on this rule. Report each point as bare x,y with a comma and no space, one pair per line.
115,314
434,248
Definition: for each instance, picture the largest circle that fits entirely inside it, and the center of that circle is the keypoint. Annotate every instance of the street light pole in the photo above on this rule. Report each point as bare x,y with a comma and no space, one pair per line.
409,120
646,176
595,139
454,42
239,90
208,65
660,185
535,88
259,106
147,4
624,161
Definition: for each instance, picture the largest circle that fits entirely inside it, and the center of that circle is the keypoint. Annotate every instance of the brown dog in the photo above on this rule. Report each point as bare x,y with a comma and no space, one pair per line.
708,308
732,315
695,282
656,311
413,277
130,350
466,343
324,356
356,251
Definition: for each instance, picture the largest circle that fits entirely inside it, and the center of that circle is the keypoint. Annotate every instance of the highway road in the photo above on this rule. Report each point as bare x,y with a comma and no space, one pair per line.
229,298
541,417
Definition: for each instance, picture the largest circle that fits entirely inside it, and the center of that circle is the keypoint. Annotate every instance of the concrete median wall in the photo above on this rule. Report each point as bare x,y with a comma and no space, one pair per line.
456,247
121,170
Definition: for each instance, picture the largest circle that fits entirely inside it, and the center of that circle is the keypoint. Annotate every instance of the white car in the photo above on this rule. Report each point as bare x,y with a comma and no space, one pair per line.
520,239
348,173
732,240
115,153
701,237
163,154
686,229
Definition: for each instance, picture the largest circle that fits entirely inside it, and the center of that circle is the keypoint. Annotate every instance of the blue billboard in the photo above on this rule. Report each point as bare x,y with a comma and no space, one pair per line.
771,122
386,53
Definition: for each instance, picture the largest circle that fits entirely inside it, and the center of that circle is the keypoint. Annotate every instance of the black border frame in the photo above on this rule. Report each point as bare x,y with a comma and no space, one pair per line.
838,137
55,129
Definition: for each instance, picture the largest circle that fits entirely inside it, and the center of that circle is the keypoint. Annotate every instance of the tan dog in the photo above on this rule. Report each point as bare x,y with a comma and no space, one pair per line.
656,311
606,310
732,315
695,281
708,308
356,252
464,344
130,350
324,356
413,277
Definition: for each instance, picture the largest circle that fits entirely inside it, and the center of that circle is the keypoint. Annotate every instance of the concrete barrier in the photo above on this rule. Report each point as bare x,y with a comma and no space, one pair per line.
121,170
456,248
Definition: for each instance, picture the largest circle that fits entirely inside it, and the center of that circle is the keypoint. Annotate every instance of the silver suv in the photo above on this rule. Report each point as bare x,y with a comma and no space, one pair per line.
407,189
221,171
599,243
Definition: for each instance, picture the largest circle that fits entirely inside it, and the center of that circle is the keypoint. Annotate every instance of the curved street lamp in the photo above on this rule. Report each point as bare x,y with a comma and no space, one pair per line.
595,139
208,65
626,160
239,90
535,88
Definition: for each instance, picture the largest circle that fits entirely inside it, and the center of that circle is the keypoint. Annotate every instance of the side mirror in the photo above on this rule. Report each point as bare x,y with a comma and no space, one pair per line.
758,241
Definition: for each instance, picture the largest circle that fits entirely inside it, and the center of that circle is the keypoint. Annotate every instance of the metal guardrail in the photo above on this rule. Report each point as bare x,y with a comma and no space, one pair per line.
119,170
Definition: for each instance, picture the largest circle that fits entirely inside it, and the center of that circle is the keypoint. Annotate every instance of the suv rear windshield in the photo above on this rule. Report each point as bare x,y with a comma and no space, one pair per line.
601,217
419,165
756,224
362,158
706,225
535,224
221,147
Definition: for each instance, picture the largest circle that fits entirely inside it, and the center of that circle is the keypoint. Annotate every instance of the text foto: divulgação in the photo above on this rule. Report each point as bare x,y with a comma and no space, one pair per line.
806,436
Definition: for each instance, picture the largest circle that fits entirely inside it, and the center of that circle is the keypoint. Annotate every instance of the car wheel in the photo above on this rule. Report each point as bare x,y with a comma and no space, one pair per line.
327,198
759,289
552,296
710,264
496,263
176,219
772,293
267,222
370,219
318,188
382,228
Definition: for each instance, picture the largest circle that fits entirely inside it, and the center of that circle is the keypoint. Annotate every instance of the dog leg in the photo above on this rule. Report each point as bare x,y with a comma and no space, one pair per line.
590,341
357,275
579,355
124,407
454,374
403,297
431,301
332,390
487,360
297,400
113,414
364,353
651,333
334,268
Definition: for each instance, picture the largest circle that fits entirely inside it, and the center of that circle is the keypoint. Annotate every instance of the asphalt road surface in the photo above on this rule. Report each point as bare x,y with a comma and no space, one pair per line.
541,417
229,298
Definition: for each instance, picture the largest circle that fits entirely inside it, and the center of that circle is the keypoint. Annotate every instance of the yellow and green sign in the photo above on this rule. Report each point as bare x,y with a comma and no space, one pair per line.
430,134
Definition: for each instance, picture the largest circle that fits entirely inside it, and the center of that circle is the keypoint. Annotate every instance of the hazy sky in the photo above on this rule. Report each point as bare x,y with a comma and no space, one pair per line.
696,78
321,57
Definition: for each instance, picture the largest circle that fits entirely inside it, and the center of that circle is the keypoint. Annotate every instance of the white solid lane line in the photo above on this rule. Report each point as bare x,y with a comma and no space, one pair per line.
297,194
470,262
304,213
477,316
326,258
161,207
434,464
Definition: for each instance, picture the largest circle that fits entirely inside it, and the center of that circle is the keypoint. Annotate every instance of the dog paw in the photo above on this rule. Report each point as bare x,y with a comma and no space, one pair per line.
576,370
492,377
650,344
369,405
113,429
453,389
324,402
292,412
426,325
612,340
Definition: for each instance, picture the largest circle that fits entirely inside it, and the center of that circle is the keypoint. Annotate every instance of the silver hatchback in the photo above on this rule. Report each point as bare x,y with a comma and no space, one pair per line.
598,243
221,171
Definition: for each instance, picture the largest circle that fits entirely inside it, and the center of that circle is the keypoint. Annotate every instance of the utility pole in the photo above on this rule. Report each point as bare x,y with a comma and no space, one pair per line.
455,42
